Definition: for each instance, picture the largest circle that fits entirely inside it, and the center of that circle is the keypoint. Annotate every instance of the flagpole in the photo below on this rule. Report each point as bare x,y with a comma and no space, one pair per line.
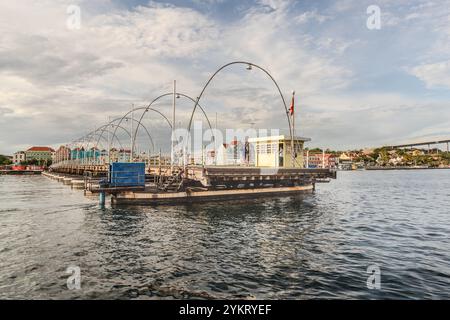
293,114
293,129
172,152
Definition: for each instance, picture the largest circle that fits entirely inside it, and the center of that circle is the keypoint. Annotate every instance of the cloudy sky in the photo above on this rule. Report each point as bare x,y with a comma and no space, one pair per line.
356,87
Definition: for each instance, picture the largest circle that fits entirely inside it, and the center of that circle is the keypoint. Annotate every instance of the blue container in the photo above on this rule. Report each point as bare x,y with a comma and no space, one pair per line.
127,174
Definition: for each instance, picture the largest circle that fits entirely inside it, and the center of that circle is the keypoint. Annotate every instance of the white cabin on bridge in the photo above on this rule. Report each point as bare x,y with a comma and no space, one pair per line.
275,151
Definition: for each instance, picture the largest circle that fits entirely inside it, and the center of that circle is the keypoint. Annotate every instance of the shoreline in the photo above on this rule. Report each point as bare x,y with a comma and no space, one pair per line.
403,168
20,172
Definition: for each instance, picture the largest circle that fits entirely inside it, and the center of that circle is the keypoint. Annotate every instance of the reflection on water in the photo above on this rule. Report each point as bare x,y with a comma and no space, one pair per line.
315,246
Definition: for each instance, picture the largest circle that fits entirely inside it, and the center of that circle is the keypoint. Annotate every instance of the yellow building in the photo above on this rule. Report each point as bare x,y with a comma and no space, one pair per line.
275,151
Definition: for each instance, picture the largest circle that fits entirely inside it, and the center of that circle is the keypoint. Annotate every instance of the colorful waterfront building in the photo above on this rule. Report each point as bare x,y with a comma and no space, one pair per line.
321,160
39,154
82,154
77,153
93,153
62,154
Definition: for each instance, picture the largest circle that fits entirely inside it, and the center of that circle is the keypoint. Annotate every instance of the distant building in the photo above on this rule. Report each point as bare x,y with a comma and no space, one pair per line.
39,154
124,155
93,153
321,160
113,155
396,161
275,151
19,156
77,154
368,152
345,162
62,154
103,156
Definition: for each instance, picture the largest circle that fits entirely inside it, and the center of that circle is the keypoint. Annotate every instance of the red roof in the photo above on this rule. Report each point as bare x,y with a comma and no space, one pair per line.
41,149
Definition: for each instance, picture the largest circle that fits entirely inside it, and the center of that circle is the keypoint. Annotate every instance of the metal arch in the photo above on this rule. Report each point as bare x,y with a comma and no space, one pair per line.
103,128
94,148
249,64
118,125
268,74
82,143
96,133
146,109
139,122
155,110
91,137
170,94
86,139
92,134
81,139
78,143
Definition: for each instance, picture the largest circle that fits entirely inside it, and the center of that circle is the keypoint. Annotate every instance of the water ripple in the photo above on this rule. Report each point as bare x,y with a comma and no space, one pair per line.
316,246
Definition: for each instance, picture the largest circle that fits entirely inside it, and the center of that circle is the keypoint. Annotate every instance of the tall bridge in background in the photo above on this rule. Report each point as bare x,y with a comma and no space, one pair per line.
419,144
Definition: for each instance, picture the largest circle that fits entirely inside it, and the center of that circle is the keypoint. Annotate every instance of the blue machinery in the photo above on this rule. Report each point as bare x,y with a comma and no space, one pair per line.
127,174
122,175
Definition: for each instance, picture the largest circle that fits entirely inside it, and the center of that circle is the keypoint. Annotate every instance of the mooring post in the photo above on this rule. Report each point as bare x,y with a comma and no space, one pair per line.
101,199
307,159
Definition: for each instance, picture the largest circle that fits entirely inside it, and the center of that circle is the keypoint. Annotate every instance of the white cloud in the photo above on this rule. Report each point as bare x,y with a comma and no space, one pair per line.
309,16
434,74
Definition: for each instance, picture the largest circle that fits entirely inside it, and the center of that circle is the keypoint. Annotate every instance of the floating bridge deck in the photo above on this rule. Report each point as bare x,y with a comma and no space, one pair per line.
164,184
233,177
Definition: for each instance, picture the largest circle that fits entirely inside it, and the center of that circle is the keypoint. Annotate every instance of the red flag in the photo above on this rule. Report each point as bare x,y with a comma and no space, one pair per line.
291,109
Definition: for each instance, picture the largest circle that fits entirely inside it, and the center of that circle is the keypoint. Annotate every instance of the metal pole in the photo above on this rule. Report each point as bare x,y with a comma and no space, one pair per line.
203,163
172,154
109,142
293,131
159,165
307,159
132,135
102,197
215,145
323,159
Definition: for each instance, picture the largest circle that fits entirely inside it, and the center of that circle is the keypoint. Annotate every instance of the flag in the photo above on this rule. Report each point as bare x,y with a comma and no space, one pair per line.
291,109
